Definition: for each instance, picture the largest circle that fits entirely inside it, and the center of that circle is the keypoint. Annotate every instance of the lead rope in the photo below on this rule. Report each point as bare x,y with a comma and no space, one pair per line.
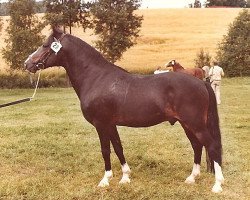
37,82
26,99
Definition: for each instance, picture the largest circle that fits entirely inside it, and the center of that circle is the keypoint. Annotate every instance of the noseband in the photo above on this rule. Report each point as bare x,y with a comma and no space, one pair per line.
41,61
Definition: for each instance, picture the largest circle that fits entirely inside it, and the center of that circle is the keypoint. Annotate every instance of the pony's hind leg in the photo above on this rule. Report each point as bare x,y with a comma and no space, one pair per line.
214,151
219,178
197,148
116,142
213,145
105,148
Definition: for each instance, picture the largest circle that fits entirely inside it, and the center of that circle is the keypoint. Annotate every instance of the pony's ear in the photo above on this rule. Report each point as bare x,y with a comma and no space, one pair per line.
55,39
57,32
173,62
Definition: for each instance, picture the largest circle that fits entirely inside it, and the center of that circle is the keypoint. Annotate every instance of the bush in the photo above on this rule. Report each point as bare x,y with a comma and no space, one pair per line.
202,59
234,51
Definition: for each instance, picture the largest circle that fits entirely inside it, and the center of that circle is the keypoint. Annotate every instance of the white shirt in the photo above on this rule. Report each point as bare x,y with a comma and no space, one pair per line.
216,73
206,70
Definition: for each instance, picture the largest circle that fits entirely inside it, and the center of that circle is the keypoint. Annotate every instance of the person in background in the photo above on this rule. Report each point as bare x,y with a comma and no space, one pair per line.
206,73
215,73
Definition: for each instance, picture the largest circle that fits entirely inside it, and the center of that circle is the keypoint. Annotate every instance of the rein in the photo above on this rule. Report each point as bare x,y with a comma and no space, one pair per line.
25,99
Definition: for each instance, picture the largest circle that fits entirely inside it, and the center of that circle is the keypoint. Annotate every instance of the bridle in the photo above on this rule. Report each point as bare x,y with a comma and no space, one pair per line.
40,64
41,61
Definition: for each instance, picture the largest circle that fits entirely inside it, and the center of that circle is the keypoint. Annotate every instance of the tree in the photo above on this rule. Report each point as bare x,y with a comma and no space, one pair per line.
230,3
3,9
116,25
202,59
24,32
197,4
67,13
234,50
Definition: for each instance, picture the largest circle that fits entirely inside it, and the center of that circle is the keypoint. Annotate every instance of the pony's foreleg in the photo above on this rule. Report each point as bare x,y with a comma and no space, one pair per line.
105,147
125,174
116,142
195,172
106,178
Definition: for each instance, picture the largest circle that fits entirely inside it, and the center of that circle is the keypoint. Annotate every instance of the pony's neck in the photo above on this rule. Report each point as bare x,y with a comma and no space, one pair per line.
84,64
178,66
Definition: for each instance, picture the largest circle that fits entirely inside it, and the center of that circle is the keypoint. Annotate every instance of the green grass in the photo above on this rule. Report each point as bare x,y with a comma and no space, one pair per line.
48,151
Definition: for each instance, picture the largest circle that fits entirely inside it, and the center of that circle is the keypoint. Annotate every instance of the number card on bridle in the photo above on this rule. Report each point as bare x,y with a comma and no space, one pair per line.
56,46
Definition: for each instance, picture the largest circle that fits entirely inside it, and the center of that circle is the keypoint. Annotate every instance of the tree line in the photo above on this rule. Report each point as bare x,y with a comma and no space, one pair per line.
228,3
4,8
221,3
41,8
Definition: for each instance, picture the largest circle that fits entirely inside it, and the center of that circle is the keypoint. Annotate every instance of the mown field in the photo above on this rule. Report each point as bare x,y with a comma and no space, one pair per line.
48,151
166,34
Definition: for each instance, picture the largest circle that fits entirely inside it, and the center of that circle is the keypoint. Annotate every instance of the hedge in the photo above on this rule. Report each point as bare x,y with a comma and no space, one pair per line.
21,79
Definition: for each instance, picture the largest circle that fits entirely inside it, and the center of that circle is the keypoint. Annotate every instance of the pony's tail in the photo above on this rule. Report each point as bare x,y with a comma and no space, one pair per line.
213,127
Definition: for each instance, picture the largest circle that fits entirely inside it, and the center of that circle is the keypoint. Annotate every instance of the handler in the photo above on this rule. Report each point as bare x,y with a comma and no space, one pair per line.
215,73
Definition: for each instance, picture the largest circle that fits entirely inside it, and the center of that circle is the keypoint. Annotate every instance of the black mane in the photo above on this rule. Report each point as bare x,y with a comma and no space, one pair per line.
92,52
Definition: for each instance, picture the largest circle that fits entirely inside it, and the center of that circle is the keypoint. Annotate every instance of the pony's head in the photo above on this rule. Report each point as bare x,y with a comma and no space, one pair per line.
170,63
49,54
175,65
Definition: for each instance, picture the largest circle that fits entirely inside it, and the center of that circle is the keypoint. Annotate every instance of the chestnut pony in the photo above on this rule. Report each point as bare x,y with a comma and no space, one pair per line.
196,72
110,97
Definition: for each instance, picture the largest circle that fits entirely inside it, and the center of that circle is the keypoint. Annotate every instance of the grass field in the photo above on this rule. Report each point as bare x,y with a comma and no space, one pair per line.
48,151
167,34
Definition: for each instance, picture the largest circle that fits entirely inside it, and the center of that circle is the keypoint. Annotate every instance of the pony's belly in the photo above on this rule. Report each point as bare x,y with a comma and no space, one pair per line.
140,120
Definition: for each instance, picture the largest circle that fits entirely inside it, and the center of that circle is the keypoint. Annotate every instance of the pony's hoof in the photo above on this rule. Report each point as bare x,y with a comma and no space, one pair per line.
217,188
105,180
190,180
104,183
124,180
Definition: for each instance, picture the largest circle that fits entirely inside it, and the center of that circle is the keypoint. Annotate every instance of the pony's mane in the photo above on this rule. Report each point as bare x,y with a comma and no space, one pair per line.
92,51
177,63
